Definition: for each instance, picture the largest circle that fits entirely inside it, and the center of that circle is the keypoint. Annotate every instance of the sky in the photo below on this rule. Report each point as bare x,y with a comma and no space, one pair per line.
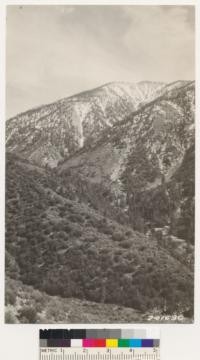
54,51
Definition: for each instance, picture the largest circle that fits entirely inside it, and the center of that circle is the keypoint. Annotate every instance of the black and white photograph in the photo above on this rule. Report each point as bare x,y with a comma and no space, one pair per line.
100,164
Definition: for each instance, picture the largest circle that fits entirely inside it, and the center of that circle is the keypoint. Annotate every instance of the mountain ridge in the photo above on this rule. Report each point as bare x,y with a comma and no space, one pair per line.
50,133
137,153
77,94
118,203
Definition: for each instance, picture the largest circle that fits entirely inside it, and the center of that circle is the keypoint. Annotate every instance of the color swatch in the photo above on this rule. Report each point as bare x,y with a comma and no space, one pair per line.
97,338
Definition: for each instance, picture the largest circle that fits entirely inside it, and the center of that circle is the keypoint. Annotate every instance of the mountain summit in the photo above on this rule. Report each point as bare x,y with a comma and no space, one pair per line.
51,133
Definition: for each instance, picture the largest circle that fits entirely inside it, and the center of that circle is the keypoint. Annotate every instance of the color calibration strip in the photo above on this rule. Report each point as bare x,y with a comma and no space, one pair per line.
109,343
97,338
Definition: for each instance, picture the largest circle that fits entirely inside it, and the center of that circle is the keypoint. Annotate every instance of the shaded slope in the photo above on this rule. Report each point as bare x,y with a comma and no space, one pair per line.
65,248
24,304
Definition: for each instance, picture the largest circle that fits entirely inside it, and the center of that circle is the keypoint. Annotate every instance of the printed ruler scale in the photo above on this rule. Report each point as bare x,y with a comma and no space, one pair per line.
99,354
97,344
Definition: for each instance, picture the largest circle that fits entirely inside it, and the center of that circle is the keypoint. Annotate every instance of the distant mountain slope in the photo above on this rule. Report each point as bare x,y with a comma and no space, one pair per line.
50,133
66,248
137,162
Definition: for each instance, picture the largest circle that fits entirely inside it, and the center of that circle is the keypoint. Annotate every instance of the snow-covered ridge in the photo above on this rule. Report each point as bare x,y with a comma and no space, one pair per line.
68,124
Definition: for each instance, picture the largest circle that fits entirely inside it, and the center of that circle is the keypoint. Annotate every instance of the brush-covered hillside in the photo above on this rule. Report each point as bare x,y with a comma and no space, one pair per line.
63,247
